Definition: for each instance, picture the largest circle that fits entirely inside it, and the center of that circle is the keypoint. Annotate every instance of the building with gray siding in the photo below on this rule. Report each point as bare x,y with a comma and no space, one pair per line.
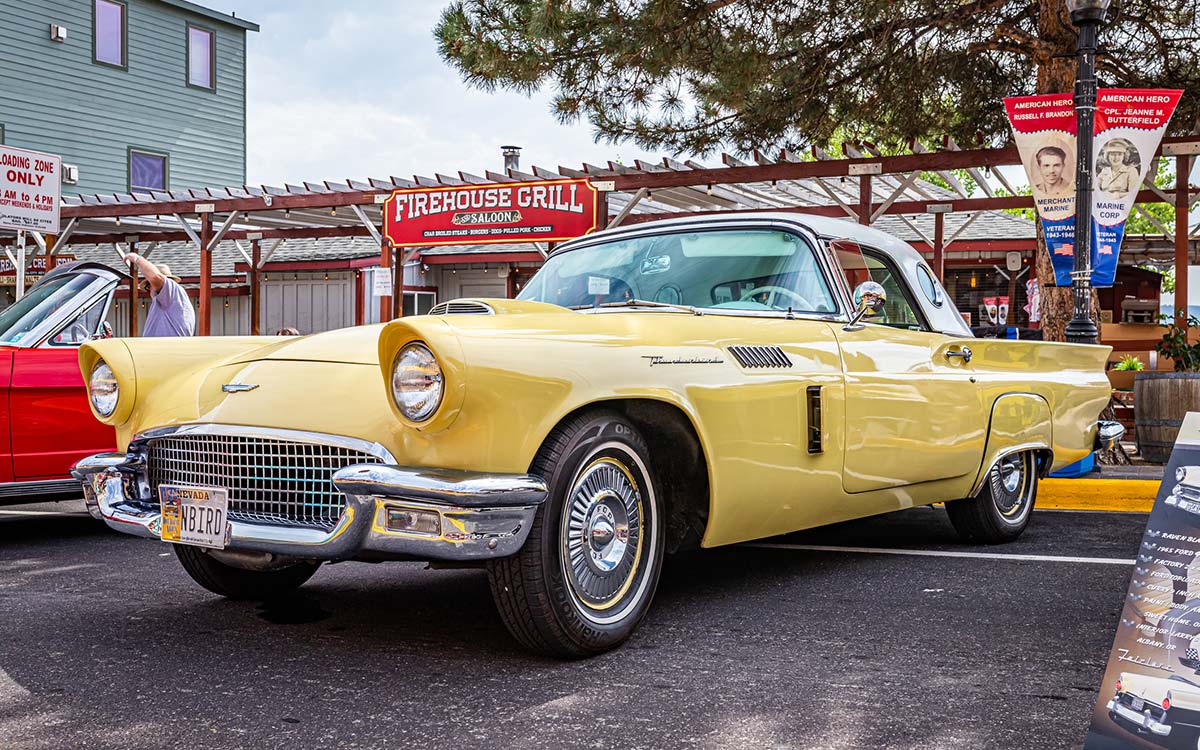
139,95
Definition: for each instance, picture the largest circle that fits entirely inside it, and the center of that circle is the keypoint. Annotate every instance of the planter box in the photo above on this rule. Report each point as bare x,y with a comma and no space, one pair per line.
1122,379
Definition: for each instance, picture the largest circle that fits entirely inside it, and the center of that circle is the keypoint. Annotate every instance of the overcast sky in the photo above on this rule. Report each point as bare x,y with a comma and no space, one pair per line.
356,89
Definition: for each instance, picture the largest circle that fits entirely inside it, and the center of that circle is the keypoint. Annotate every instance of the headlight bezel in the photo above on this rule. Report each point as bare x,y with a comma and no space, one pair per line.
435,374
110,381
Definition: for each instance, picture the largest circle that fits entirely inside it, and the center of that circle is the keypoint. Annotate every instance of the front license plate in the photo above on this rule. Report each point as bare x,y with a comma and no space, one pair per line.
194,515
1137,704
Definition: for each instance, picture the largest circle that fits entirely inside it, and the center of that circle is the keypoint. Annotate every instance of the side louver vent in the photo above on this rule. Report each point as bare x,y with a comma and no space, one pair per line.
760,356
461,307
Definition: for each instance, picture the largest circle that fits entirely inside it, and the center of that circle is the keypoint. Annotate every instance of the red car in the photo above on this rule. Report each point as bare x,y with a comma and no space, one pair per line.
45,422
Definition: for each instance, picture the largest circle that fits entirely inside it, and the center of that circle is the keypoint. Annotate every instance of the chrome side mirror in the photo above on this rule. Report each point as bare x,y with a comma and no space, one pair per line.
870,298
105,332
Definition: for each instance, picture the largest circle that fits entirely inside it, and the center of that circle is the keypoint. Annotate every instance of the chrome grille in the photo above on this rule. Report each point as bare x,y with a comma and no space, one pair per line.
270,481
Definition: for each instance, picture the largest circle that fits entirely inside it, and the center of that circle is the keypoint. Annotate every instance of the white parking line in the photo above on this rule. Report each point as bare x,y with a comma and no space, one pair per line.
942,553
42,513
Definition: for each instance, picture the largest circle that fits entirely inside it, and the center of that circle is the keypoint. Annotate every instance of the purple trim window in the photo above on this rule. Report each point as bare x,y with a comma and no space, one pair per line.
200,57
109,32
147,171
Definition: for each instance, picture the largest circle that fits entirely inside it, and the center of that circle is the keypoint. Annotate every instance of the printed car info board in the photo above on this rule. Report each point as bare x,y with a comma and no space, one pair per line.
1150,694
1129,125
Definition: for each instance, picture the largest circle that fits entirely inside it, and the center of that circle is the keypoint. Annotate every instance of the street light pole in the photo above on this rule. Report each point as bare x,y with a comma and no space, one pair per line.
1088,16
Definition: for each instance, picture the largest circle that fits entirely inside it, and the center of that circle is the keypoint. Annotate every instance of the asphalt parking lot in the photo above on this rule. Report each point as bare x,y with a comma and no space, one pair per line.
105,643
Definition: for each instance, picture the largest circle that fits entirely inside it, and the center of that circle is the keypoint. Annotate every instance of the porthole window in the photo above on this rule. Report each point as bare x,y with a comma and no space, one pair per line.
929,285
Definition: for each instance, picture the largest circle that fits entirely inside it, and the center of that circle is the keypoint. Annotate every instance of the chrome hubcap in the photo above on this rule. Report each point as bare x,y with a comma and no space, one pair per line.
603,533
1012,485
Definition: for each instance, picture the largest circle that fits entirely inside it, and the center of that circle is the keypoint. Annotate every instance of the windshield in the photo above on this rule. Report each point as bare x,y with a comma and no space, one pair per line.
20,318
764,270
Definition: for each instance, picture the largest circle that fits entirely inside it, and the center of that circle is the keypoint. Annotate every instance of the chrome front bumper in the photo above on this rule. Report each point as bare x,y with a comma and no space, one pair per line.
1140,720
478,516
1108,434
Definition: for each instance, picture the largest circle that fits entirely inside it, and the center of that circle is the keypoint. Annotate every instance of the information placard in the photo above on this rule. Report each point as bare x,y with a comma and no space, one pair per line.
30,190
1150,694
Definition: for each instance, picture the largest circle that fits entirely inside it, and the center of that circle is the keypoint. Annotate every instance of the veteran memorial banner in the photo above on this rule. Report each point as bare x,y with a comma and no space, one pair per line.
1129,125
1044,129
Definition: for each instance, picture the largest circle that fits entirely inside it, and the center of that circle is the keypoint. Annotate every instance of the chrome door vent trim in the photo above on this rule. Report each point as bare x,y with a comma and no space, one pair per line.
461,307
760,357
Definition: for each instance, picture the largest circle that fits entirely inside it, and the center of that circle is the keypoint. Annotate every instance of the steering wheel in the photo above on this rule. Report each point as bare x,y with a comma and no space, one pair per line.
774,292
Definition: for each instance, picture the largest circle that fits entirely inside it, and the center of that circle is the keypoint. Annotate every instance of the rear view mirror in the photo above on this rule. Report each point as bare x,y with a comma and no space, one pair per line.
869,299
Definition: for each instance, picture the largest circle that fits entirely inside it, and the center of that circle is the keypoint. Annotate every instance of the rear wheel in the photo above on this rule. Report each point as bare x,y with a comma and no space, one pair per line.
586,575
1001,510
239,583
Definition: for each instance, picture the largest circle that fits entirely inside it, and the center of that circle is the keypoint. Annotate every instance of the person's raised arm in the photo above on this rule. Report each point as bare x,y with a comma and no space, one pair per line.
147,269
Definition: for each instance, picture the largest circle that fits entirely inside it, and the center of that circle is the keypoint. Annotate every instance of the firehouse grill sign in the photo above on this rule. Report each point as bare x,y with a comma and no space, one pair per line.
541,211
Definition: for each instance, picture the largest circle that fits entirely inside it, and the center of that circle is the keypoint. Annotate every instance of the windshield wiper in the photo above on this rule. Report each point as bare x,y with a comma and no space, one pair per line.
638,303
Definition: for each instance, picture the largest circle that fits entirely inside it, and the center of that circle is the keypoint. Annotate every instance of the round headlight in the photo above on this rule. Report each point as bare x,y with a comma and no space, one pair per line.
103,390
417,382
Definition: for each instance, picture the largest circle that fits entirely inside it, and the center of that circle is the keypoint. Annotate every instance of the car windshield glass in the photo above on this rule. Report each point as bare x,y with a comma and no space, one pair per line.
763,270
20,318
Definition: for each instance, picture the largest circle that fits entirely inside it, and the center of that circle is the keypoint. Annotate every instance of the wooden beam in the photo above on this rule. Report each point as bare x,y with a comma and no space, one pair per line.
206,235
233,234
226,205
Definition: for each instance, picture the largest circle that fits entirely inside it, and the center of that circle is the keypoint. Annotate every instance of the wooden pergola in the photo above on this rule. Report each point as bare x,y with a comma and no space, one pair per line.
862,185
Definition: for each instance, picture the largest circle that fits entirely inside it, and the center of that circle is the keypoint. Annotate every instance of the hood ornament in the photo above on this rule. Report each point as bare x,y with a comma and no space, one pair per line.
238,387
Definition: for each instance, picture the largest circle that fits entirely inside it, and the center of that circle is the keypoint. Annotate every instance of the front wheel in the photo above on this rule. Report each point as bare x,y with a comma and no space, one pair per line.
1001,510
586,575
238,583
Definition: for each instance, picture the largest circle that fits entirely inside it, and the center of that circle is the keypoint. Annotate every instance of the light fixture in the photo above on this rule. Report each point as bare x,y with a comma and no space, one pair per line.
226,304
1088,10
333,212
287,212
157,219
327,276
710,189
973,280
118,221
649,195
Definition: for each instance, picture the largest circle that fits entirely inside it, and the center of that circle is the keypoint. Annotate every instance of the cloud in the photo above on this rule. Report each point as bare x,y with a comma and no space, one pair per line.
357,89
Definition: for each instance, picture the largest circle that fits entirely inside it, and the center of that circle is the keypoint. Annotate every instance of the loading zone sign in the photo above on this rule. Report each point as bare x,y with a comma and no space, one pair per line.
30,190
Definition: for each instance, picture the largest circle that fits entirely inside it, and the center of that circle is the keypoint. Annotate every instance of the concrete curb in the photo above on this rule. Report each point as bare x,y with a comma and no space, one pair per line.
1120,495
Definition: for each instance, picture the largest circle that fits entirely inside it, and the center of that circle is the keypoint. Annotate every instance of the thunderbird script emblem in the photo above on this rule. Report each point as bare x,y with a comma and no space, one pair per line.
238,387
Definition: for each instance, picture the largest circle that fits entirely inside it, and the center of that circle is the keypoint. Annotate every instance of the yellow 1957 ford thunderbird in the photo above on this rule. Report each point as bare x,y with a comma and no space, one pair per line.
688,382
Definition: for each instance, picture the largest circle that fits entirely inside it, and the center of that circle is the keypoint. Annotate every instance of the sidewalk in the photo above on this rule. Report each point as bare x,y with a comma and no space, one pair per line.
1130,489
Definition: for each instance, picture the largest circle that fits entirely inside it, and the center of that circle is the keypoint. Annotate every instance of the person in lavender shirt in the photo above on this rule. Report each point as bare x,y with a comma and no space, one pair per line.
171,312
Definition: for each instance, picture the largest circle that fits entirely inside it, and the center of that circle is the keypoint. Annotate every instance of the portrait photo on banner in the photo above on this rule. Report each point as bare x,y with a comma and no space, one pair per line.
1050,165
1118,168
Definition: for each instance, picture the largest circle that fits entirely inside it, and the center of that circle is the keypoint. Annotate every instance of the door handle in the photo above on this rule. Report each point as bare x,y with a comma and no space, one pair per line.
964,352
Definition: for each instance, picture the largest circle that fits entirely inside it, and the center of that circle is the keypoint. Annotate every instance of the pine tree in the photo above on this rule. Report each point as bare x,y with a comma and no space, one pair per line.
694,76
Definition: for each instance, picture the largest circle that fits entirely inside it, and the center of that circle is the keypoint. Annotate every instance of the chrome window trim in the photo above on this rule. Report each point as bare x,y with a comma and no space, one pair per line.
48,328
47,343
816,245
267,433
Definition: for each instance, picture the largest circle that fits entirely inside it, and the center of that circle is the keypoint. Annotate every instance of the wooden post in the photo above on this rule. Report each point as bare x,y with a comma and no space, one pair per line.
864,199
255,290
385,261
206,233
360,297
51,260
939,246
133,294
1183,165
398,284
